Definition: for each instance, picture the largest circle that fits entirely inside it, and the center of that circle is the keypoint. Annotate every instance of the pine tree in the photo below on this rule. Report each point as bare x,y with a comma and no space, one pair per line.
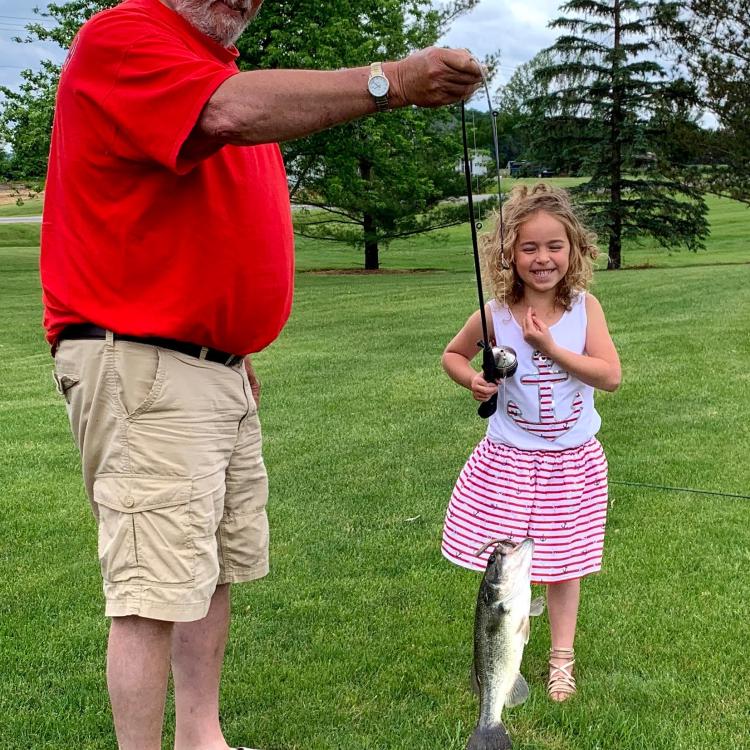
604,79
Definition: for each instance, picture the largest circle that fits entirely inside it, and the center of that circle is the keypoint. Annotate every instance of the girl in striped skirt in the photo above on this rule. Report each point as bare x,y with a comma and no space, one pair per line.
539,471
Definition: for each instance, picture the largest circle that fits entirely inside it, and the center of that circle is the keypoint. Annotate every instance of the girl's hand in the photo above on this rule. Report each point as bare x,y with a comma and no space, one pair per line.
536,333
481,389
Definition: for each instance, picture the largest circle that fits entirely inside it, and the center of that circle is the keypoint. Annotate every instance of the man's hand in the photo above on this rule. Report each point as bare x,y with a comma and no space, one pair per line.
254,381
433,77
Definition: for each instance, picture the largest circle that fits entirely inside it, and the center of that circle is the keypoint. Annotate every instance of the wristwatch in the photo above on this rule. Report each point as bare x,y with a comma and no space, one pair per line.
378,85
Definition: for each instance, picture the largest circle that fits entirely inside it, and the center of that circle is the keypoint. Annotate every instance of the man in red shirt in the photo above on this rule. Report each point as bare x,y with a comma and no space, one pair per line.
167,257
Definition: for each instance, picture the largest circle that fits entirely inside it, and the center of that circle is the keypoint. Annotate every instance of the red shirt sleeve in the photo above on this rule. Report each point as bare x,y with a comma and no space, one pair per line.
145,86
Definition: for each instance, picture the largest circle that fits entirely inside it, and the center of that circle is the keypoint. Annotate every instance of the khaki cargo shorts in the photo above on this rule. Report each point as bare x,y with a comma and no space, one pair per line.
171,455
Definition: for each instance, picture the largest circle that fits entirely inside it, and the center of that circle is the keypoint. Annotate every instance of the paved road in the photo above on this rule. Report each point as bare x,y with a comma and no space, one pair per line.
20,219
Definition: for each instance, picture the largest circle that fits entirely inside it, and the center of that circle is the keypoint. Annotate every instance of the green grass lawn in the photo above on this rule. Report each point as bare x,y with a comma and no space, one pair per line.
28,207
451,250
360,638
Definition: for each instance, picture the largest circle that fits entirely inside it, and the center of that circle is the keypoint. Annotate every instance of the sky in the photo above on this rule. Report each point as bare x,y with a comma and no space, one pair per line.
14,57
518,28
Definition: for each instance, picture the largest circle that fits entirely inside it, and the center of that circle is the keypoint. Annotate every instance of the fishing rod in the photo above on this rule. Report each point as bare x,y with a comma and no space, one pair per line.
498,361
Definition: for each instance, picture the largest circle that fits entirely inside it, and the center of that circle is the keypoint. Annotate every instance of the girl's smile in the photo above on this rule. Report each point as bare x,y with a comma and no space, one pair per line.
542,252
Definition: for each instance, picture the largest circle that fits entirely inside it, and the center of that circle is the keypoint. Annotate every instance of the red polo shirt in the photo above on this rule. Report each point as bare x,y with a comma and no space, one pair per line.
137,239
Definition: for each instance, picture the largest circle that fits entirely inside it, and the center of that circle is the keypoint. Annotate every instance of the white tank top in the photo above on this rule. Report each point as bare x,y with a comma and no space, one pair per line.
542,407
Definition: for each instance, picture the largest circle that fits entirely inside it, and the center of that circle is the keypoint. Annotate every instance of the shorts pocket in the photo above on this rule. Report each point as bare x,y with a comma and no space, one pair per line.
144,528
139,370
63,383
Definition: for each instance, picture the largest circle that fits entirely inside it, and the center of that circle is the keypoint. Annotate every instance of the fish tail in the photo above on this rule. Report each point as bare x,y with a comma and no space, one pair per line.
493,737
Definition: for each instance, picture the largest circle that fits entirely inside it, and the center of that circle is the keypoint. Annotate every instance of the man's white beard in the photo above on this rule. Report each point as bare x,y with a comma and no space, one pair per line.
222,28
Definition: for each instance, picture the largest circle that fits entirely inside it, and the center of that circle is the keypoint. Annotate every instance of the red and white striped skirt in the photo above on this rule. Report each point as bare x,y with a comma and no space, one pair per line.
558,498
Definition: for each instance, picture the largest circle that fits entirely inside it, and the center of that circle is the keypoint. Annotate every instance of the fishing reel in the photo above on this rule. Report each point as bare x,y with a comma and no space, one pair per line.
498,362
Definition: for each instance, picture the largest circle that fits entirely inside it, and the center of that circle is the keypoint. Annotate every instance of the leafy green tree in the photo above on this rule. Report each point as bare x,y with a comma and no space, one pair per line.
26,114
479,130
713,41
375,179
604,79
25,123
378,178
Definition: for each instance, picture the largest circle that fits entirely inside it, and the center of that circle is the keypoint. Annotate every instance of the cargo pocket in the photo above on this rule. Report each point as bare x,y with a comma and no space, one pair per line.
144,528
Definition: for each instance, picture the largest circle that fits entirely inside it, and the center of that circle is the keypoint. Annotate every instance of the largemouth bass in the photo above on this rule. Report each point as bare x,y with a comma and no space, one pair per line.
501,630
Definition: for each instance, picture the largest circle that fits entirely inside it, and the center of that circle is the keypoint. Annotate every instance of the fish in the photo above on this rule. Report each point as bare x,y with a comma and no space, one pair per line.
501,631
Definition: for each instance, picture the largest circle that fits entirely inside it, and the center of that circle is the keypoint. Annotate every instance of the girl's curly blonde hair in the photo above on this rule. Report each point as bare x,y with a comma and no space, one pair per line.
523,203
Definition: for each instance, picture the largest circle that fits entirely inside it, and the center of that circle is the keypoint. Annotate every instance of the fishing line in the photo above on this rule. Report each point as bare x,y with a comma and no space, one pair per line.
679,489
498,362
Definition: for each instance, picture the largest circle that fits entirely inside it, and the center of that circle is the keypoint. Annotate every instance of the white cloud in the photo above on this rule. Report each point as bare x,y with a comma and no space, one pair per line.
517,29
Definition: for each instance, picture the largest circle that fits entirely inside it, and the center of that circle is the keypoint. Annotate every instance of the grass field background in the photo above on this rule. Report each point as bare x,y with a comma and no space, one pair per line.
23,207
360,638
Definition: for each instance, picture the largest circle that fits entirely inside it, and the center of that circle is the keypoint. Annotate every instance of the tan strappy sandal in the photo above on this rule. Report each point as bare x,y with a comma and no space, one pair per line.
561,684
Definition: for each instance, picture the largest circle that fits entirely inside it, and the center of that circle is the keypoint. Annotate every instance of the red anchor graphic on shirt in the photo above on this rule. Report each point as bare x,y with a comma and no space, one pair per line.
547,427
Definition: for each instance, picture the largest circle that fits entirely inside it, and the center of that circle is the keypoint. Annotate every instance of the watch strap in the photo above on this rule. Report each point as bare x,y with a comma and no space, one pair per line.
381,102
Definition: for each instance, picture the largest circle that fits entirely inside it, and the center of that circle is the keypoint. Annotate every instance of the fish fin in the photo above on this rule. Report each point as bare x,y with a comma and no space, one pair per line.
494,737
537,606
474,680
525,629
518,693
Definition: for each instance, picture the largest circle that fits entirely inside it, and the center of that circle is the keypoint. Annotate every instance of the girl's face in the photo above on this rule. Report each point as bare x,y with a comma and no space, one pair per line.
542,252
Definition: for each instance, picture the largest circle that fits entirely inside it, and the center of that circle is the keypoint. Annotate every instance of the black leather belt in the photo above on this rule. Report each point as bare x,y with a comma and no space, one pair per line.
89,331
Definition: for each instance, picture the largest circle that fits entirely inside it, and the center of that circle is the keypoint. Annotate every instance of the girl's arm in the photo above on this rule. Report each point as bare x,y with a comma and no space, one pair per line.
461,350
599,366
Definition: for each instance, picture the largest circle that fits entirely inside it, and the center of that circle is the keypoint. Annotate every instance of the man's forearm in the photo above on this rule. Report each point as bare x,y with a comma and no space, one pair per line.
265,106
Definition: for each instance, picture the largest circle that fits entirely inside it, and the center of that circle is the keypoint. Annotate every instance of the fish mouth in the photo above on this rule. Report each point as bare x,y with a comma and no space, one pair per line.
507,546
522,552
508,564
518,560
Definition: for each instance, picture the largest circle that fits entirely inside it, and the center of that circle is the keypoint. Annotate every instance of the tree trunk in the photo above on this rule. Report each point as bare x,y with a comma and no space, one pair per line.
371,244
615,173
615,255
369,224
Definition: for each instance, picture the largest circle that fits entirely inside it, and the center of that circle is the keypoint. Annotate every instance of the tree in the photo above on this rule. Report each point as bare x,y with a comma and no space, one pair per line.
378,178
521,106
375,179
26,115
26,121
602,80
713,41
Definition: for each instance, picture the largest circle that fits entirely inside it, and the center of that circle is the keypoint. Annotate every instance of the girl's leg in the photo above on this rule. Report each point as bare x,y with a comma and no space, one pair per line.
562,605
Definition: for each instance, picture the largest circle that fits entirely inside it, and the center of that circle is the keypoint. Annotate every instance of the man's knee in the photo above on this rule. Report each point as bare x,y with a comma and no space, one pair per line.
134,626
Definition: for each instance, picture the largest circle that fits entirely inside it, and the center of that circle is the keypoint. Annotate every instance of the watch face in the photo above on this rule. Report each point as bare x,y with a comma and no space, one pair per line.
378,85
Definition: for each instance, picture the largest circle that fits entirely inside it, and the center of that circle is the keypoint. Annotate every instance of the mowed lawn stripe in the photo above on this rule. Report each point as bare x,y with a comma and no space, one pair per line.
361,635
